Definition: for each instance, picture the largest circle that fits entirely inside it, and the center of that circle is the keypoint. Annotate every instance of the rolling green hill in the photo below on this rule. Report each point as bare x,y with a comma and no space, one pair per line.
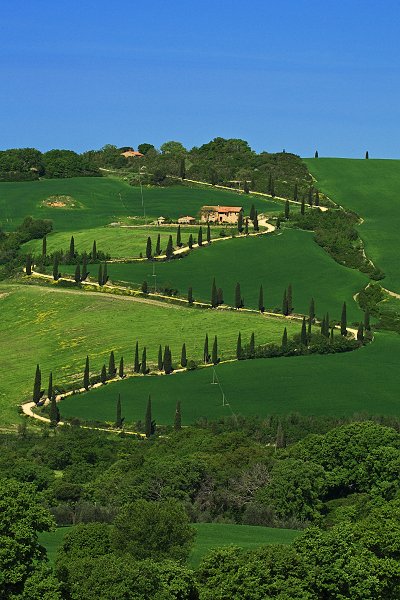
364,381
271,260
103,200
371,188
57,329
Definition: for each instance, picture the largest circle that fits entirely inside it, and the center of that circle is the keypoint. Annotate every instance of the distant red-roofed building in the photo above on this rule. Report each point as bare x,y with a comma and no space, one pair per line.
220,214
130,153
186,220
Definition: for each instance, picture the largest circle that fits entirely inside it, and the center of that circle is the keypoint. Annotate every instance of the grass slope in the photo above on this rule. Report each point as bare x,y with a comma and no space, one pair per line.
118,242
271,260
105,200
371,188
208,536
217,535
342,384
58,328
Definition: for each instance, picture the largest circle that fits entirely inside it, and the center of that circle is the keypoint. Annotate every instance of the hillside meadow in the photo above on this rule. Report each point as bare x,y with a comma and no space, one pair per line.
371,188
363,381
274,261
58,328
103,200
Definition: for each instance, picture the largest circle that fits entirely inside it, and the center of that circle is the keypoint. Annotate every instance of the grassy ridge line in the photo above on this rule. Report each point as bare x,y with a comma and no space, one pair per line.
370,188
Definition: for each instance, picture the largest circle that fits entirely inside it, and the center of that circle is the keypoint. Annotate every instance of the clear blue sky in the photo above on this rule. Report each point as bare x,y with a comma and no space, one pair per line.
293,74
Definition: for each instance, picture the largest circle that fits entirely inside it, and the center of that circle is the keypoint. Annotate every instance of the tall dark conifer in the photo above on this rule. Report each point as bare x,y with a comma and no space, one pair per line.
121,368
77,275
190,242
303,333
360,332
252,346
246,227
208,234
170,248
220,296
238,296
343,320
311,310
111,365
136,365
148,248
206,354
56,274
239,349
214,356
252,212
71,253
287,209
310,196
183,356
86,374
240,222
103,374
160,362
118,420
54,413
178,237
316,154
94,251
190,295
158,245
28,265
44,247
367,324
100,275
214,298
105,274
284,343
143,367
316,199
148,422
200,236
285,306
37,392
290,299
84,272
261,306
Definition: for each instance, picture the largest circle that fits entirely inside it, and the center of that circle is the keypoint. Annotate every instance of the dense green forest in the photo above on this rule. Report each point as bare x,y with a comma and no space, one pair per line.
131,503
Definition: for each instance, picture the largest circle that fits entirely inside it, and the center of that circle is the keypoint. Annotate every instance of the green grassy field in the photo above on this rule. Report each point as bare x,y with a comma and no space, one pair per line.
271,260
371,188
217,535
208,536
105,200
118,242
366,380
57,328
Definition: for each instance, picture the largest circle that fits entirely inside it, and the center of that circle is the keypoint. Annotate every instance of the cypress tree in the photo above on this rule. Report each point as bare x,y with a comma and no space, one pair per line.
327,325
121,368
239,349
105,274
37,392
86,379
54,413
178,237
214,356
296,192
303,334
182,169
310,196
255,222
144,362
280,441
238,296
287,210
190,242
111,365
145,287
316,154
44,247
178,417
56,274
100,275
332,335
284,343
148,248
72,248
367,155
170,249
148,423
343,320
160,362
240,222
119,420
285,305
252,346
200,236
311,310
309,327
278,223
302,207
50,386
220,296
94,251
206,355
360,332
190,296
208,234
367,325
290,299
323,325
84,273
246,188
214,299
158,245
183,356
246,227
77,275
103,374
136,366
316,201
167,360
252,212
28,264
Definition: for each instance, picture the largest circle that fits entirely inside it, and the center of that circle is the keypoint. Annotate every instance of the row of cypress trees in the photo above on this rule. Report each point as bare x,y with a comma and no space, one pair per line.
169,251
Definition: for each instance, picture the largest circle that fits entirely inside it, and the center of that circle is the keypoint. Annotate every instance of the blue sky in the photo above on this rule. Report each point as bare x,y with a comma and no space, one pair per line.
293,74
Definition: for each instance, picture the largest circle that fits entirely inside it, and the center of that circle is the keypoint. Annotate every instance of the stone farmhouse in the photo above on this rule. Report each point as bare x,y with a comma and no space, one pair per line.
220,214
188,220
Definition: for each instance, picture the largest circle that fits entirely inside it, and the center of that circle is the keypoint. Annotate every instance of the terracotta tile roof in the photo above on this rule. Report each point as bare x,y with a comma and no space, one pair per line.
223,209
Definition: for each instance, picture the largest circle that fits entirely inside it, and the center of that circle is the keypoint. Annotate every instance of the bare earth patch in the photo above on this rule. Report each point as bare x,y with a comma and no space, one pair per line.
61,201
